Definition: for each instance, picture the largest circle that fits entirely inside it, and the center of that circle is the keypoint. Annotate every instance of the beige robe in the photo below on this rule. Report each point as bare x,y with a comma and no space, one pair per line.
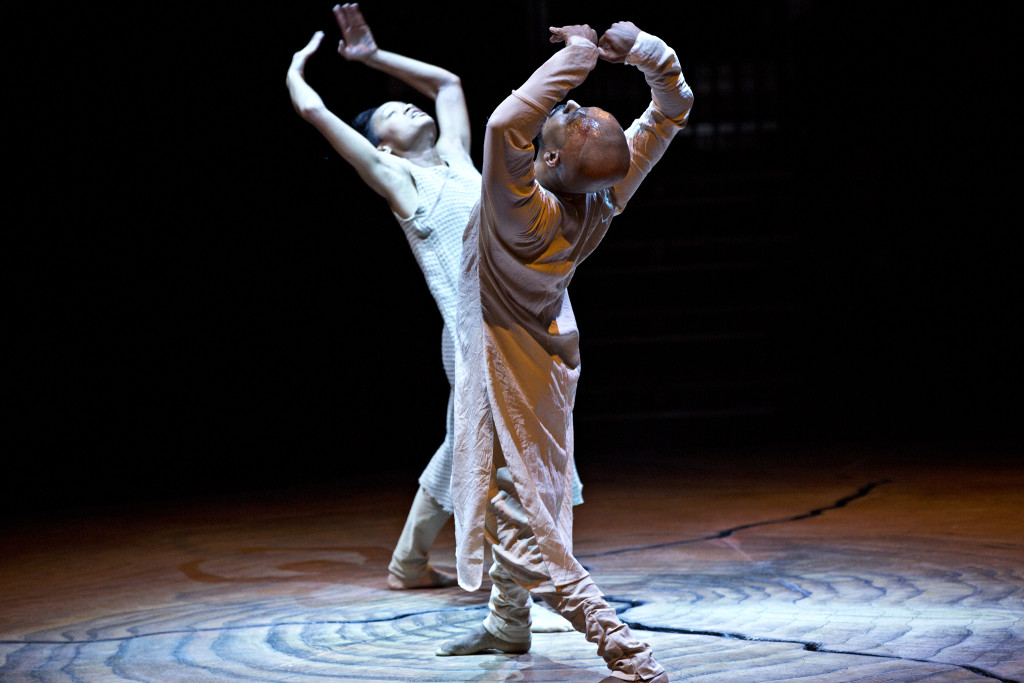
517,363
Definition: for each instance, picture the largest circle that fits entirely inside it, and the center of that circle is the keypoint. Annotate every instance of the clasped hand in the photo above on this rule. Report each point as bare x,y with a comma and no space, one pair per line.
613,46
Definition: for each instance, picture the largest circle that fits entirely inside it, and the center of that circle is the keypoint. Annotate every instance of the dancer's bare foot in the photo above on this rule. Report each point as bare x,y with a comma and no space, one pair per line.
431,579
544,620
480,640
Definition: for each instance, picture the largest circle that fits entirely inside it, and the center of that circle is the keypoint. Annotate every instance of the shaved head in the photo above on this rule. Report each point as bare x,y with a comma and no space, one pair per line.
581,150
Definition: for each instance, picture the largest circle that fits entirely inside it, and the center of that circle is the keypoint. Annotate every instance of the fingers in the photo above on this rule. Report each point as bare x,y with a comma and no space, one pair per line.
349,17
563,33
341,18
606,49
300,58
313,43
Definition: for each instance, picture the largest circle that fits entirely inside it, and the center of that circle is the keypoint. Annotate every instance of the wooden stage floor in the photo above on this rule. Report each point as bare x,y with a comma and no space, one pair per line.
843,563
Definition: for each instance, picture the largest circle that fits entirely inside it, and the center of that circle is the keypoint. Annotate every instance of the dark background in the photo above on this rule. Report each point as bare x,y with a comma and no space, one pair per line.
202,298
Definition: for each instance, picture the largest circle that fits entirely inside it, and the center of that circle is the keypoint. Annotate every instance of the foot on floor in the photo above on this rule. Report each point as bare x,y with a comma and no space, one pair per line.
431,579
480,640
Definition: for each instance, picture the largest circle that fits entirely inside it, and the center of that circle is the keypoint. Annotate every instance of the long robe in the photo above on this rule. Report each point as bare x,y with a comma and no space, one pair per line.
517,361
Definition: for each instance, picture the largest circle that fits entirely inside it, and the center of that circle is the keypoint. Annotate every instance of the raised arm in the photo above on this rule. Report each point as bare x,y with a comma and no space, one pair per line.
671,99
378,170
440,85
508,173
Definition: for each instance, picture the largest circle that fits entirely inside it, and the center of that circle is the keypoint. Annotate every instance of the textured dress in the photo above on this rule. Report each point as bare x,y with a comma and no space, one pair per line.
447,194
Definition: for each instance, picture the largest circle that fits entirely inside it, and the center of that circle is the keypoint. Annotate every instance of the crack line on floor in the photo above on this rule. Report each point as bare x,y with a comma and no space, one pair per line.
725,533
813,647
806,645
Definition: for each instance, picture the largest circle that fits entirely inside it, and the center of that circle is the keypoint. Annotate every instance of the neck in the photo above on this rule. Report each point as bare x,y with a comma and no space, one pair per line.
423,152
556,187
425,157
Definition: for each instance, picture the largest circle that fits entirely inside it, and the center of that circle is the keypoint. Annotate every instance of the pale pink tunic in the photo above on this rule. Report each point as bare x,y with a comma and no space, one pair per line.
517,362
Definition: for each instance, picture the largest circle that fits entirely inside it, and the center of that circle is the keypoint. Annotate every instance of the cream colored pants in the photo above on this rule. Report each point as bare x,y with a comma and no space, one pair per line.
519,569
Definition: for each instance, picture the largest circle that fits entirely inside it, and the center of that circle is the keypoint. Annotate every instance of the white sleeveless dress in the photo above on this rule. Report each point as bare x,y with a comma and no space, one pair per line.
447,194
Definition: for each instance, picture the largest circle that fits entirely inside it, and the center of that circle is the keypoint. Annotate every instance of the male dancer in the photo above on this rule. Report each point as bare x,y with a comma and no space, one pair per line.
544,207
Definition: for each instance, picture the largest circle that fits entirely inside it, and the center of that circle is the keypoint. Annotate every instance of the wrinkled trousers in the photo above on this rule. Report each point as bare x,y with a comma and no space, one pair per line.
519,570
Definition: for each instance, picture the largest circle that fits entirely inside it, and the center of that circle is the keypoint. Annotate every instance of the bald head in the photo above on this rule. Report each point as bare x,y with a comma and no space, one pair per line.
581,150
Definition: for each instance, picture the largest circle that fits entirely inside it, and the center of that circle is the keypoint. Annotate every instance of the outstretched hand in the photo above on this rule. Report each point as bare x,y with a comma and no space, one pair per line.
617,41
563,33
300,58
356,42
